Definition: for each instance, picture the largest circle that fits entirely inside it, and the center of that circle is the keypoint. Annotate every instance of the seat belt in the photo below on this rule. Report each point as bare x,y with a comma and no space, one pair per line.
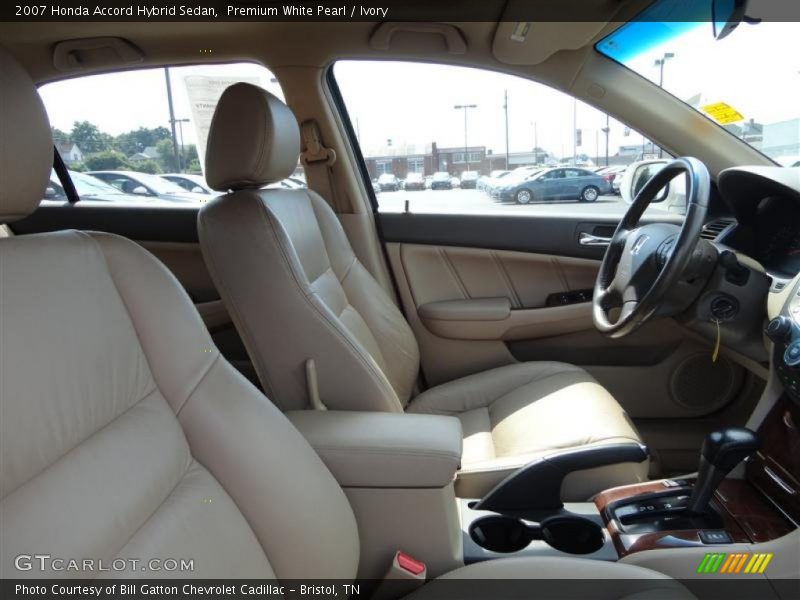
63,176
317,161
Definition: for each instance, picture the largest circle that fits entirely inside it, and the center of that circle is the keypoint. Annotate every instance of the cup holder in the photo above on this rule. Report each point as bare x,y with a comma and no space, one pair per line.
573,535
567,533
499,533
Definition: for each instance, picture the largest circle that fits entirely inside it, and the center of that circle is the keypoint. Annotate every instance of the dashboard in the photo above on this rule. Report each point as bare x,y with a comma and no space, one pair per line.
766,204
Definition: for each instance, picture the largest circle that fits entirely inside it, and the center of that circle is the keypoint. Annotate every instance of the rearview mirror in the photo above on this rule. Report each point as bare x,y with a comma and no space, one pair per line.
726,16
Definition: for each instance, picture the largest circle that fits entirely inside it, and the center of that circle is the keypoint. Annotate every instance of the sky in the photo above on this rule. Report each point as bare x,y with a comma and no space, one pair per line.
756,70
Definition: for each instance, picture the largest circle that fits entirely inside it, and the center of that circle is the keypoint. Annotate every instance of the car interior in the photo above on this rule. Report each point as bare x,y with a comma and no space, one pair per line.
292,383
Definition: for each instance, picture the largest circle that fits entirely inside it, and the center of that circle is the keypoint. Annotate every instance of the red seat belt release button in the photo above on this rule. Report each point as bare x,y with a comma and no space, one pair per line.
410,564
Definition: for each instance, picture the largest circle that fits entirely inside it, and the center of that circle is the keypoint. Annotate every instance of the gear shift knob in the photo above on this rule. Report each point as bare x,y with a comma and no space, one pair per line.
722,451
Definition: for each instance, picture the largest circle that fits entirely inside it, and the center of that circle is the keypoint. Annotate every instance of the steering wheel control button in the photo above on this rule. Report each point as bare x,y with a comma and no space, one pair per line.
792,355
779,329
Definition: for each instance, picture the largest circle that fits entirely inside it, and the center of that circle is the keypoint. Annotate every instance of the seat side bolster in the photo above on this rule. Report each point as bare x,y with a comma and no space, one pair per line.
281,319
262,462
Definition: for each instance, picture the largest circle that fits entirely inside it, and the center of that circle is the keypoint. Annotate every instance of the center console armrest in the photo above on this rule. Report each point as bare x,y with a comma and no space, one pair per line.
378,449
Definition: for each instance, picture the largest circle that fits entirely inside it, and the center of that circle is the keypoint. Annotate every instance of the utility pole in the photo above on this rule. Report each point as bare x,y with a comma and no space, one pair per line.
660,62
606,130
535,144
172,119
465,108
505,108
574,131
181,160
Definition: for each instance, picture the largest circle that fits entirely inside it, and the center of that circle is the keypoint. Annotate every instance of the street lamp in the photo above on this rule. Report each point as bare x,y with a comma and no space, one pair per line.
606,130
465,108
660,62
180,154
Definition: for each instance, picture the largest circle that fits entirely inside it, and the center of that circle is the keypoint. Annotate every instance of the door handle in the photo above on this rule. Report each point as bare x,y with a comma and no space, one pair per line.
587,239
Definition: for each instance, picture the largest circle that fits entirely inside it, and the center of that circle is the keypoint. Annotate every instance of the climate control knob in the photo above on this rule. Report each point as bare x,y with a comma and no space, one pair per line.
779,329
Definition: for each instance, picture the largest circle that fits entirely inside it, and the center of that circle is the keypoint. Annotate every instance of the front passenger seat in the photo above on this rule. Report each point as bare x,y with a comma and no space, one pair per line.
296,291
126,435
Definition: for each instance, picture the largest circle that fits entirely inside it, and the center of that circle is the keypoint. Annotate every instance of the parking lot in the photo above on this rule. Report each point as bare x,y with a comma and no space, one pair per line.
476,201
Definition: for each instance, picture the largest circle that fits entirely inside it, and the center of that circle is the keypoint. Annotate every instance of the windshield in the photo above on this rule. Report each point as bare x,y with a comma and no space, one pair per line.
747,82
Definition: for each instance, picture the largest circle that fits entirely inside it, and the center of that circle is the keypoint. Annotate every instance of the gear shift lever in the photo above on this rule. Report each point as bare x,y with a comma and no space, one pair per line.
721,452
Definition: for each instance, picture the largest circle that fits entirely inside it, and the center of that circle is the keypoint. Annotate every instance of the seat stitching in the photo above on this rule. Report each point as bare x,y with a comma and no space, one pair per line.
164,500
80,443
133,321
197,385
321,315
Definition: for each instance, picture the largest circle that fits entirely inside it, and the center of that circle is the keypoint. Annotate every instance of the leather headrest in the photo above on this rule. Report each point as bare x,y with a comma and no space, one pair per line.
26,144
254,140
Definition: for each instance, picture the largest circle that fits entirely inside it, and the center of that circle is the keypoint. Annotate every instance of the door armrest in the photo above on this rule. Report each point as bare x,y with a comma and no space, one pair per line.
470,309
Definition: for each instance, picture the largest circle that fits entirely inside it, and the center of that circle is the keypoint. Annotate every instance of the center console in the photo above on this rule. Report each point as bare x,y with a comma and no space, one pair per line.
706,511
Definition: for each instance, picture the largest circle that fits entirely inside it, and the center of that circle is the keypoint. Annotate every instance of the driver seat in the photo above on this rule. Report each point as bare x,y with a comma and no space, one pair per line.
296,292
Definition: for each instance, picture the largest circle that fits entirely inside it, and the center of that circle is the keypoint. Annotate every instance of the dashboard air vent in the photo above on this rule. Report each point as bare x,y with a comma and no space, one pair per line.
712,230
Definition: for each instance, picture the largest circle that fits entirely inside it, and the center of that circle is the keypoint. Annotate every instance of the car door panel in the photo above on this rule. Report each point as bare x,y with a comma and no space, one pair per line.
442,285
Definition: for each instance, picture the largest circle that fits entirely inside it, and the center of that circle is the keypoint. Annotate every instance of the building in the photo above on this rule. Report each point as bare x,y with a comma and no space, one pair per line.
452,160
781,138
70,153
149,153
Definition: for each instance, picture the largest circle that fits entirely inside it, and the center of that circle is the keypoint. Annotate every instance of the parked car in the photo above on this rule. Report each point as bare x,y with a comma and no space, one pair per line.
189,182
455,181
555,184
388,183
145,184
494,177
88,188
441,181
469,180
414,181
611,173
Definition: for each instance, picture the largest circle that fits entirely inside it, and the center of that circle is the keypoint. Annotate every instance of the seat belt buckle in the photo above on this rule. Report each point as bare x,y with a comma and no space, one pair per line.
404,575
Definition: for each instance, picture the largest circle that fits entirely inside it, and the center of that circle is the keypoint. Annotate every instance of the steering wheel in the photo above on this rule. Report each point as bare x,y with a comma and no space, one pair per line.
642,263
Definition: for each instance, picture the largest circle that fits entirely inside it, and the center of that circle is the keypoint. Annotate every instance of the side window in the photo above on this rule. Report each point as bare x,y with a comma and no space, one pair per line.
483,142
139,136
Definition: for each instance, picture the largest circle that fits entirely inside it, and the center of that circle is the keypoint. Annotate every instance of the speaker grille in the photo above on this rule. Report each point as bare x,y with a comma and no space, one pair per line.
698,383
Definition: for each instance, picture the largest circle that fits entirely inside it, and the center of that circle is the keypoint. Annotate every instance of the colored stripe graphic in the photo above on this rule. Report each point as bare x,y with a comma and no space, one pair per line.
764,564
737,562
727,564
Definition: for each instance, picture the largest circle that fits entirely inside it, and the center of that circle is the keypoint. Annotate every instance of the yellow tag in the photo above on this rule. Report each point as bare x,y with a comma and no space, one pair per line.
715,354
722,113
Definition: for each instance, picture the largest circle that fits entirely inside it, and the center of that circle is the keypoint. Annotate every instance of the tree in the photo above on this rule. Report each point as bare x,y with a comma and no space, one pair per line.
166,155
58,135
135,141
147,166
106,161
89,138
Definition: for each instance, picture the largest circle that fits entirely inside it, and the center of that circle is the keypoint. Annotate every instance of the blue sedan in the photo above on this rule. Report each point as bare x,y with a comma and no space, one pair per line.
560,183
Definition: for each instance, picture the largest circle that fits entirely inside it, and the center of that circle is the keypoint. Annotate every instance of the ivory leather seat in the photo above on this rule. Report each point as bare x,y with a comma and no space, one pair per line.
296,291
124,432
